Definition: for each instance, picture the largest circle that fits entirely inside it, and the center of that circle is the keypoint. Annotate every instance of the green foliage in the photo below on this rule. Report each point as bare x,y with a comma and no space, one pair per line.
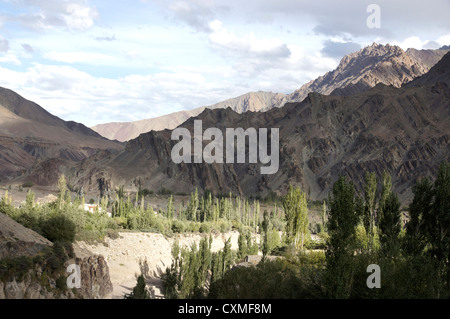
277,279
296,212
342,222
165,191
58,228
140,291
27,184
188,274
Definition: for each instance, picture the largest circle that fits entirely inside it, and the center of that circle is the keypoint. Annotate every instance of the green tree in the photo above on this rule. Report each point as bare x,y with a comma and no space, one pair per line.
296,214
370,188
265,234
342,222
59,228
390,225
242,245
191,213
62,191
170,208
140,291
29,201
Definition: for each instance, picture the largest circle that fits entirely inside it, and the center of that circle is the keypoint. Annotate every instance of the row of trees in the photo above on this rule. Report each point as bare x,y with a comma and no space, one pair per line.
362,229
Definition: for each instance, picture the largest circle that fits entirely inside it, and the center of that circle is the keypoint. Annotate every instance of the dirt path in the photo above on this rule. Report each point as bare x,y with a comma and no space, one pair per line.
148,253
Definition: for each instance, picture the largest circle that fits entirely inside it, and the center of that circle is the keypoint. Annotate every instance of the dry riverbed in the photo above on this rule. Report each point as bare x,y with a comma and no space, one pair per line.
134,253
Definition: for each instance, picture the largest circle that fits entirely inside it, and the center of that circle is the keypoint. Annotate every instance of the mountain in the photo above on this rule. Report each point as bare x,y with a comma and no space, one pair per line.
359,71
30,136
124,131
356,72
440,73
403,131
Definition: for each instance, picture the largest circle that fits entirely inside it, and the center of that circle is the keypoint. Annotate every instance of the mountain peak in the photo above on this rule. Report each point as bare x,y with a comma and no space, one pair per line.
438,73
378,63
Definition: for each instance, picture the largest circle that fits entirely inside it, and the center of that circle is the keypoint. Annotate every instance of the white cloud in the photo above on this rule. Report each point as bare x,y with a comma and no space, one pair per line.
75,15
10,58
79,57
75,95
246,45
4,45
79,17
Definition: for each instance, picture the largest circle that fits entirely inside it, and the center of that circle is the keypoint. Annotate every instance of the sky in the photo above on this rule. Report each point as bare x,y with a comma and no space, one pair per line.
99,61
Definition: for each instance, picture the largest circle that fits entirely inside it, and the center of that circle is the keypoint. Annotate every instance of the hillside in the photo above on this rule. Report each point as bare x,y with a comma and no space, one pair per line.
29,136
28,271
124,131
356,72
403,131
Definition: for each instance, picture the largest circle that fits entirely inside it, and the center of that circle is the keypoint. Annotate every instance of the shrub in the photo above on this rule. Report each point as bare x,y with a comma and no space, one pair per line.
224,226
58,228
27,184
145,192
205,228
178,226
165,191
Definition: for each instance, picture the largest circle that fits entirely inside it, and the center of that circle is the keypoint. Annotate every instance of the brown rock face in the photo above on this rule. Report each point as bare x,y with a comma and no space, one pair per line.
38,283
29,135
357,72
403,131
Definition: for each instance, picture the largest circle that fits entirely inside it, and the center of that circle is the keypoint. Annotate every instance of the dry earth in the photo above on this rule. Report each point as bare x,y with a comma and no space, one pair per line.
147,253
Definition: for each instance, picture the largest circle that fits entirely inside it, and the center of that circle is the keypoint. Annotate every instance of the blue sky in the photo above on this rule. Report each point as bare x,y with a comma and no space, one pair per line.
104,61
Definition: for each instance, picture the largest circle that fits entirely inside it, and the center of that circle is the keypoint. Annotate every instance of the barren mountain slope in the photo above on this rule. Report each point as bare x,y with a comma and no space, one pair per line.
357,72
30,135
403,131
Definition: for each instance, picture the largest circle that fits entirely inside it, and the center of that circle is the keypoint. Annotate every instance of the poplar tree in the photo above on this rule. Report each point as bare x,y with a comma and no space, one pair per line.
390,224
62,189
296,214
193,206
170,208
342,222
370,188
29,201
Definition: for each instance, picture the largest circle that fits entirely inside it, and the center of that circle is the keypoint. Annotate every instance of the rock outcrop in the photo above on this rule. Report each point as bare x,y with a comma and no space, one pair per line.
28,268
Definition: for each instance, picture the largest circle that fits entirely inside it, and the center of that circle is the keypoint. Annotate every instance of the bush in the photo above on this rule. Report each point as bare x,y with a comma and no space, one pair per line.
27,184
225,226
58,228
178,226
205,228
145,192
165,191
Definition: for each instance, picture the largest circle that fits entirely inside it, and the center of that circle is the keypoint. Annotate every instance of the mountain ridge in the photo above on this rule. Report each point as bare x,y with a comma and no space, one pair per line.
356,72
30,136
403,131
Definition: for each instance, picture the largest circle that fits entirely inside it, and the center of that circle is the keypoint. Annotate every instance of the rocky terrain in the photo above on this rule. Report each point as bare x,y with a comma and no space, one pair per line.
33,139
403,131
356,72
37,281
124,131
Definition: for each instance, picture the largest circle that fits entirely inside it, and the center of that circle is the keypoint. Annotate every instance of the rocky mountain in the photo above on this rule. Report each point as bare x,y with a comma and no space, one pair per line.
359,71
37,279
30,136
356,72
403,131
124,131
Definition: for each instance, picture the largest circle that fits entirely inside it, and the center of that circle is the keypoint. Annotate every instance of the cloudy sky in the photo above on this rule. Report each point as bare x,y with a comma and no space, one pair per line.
98,61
